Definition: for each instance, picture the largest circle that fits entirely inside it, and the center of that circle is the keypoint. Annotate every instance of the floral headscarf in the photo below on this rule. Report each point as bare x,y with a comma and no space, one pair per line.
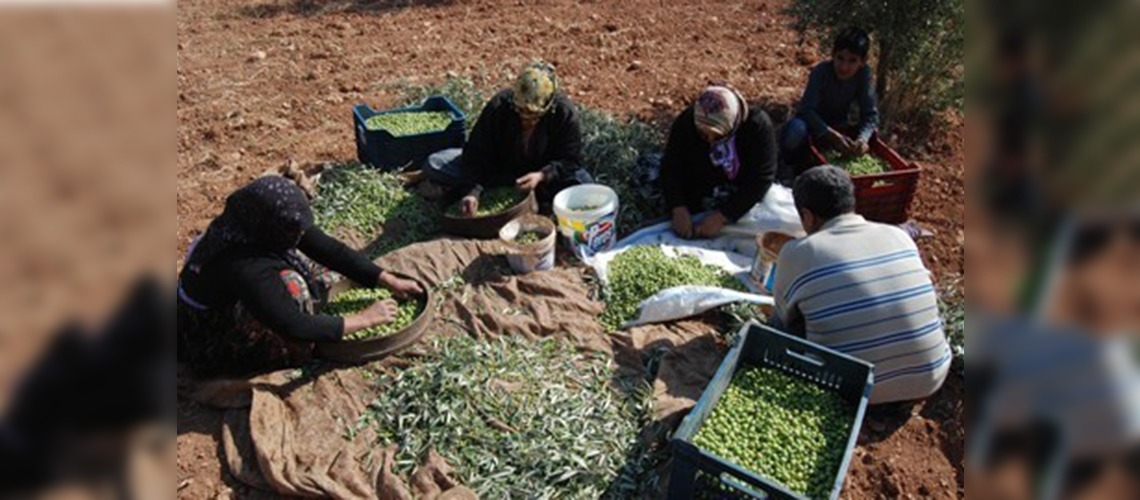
533,91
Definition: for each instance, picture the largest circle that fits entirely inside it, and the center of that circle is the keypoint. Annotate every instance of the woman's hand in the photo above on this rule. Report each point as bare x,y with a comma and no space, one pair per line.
379,313
402,287
710,227
682,222
530,181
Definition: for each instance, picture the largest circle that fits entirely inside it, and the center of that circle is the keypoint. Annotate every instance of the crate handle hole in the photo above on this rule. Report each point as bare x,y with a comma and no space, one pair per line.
805,357
739,485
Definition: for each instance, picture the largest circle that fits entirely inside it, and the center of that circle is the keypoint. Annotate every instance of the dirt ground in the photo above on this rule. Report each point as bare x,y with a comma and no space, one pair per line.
262,82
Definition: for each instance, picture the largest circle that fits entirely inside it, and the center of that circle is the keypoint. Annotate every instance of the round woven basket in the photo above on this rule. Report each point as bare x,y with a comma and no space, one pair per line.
487,226
362,351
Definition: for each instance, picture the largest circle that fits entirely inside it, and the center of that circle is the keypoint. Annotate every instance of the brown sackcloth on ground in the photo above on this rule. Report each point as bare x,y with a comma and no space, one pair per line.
496,302
292,438
688,354
295,440
556,302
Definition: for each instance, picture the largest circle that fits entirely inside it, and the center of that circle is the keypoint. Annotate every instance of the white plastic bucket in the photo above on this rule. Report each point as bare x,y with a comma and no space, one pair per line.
587,217
528,257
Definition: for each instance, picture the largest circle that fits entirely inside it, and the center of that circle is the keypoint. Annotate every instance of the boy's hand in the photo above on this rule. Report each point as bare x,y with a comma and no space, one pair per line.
837,140
860,147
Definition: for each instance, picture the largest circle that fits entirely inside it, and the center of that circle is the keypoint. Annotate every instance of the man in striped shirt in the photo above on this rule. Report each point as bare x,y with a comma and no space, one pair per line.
860,288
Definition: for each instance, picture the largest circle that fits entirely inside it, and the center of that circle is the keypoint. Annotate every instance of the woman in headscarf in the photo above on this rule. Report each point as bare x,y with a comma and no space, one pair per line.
527,136
717,148
247,298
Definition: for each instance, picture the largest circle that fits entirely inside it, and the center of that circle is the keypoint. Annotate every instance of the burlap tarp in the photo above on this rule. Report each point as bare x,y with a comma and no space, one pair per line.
297,435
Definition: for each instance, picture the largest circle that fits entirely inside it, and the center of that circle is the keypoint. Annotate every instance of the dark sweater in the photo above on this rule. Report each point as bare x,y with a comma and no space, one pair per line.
253,277
494,151
827,101
688,175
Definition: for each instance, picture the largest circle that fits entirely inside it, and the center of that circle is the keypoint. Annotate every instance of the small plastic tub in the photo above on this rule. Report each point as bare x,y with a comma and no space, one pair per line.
529,257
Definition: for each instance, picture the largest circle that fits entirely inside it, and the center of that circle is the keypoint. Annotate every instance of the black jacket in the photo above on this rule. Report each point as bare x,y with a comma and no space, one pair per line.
254,278
688,175
494,151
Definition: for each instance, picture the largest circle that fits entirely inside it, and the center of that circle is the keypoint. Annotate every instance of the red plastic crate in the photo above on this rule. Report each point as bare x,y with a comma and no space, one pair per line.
884,197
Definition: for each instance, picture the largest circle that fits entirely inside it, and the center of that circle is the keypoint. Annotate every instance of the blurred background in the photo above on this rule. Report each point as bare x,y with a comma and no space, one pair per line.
1053,250
86,223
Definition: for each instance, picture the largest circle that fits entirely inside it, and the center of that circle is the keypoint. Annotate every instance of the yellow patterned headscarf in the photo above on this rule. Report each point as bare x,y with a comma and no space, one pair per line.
534,89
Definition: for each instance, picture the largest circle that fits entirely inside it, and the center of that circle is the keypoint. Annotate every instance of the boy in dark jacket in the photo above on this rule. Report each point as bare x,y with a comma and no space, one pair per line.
833,87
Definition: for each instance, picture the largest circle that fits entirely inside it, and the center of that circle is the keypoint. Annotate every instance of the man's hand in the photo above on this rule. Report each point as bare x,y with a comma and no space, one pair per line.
530,181
401,287
682,222
860,147
710,227
469,205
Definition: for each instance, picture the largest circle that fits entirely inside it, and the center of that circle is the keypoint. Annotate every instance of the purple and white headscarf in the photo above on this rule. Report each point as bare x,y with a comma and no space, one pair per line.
721,110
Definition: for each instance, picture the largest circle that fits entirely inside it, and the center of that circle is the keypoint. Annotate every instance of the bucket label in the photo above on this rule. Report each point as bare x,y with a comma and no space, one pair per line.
770,280
595,236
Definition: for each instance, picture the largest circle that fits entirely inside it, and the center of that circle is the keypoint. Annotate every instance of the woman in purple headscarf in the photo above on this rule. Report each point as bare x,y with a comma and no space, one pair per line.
718,148
247,298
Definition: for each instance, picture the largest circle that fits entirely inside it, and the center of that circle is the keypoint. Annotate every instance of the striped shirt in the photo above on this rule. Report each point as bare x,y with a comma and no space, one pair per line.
860,288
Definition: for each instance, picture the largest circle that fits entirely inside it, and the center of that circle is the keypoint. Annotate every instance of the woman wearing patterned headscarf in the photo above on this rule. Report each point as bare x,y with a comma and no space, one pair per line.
246,295
527,136
717,144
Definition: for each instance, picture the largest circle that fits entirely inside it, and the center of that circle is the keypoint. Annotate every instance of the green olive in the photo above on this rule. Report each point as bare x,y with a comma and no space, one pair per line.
406,123
492,201
859,165
357,299
528,237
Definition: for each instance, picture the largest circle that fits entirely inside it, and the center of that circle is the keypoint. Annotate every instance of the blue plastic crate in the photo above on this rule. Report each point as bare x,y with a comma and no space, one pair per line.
760,345
382,150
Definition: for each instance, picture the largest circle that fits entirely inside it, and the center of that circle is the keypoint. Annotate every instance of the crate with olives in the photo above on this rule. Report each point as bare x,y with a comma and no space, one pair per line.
403,138
778,420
